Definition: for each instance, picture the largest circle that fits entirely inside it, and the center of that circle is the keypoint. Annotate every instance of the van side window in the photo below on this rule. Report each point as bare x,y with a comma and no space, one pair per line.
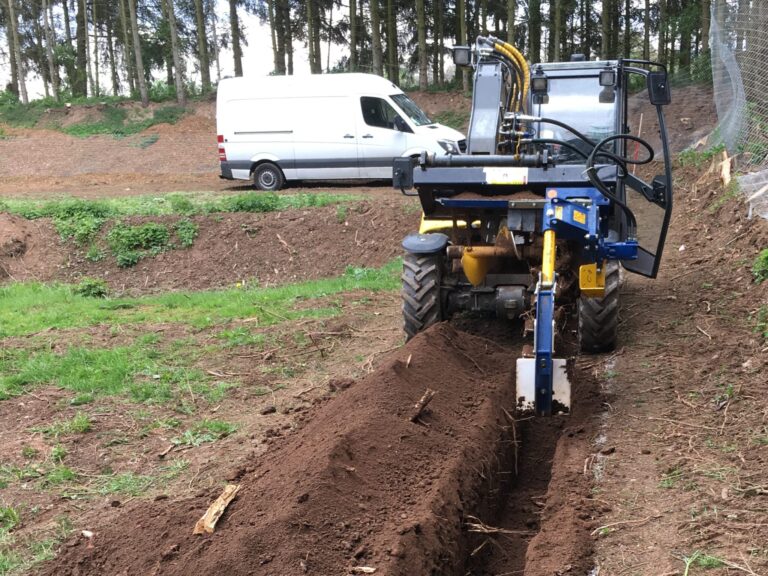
377,112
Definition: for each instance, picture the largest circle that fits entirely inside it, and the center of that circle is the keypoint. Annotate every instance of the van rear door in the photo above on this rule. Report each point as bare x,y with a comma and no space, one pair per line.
380,137
326,138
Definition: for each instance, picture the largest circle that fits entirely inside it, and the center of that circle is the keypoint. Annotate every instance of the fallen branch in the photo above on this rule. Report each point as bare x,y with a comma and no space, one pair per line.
480,527
207,523
419,407
165,452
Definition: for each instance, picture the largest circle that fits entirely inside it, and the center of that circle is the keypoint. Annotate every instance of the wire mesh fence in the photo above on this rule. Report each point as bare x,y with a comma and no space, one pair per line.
739,45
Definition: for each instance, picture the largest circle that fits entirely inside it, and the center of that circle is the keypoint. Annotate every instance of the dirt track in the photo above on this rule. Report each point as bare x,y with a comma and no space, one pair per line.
663,456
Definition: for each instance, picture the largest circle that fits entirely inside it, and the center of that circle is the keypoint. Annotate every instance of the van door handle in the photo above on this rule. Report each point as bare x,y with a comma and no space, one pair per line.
367,135
348,136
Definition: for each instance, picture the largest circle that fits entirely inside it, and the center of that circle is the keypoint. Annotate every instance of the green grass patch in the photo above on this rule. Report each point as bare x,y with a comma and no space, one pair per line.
129,244
457,119
126,483
205,431
760,266
91,288
32,307
115,122
80,423
697,158
186,204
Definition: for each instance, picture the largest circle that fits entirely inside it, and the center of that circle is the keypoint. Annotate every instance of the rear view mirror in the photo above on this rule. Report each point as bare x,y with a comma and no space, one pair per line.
658,89
462,55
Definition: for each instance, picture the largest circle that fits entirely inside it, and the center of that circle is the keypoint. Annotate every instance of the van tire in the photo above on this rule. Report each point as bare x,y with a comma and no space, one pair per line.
268,176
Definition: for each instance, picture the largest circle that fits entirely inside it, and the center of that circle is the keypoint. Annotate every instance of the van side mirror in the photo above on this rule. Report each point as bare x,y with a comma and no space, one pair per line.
462,55
658,88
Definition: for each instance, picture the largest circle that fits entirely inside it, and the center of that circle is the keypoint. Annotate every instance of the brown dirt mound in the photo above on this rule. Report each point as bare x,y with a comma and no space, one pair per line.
267,249
28,250
359,485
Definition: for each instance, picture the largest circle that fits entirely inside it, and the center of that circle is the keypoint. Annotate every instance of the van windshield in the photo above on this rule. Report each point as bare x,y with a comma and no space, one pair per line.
411,109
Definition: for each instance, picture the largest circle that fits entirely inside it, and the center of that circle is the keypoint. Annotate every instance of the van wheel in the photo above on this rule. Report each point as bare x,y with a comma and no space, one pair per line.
268,176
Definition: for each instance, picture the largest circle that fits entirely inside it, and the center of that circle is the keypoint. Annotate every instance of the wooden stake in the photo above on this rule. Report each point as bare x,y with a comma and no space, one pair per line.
418,408
207,523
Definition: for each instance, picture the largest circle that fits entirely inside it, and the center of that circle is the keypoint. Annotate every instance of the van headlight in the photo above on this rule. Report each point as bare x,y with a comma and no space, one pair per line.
449,146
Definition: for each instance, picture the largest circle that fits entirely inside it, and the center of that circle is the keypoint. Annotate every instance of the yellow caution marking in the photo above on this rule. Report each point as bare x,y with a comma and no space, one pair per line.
579,216
592,280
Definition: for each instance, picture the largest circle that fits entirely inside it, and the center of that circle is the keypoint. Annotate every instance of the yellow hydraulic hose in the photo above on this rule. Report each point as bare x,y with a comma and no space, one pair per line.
514,54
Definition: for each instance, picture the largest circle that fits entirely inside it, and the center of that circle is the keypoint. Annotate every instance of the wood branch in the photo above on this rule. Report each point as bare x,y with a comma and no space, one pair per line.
725,169
207,524
419,407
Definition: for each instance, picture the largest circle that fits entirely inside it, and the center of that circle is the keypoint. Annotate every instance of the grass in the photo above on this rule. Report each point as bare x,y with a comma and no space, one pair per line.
761,324
760,267
185,204
29,308
205,431
698,158
115,122
454,119
80,423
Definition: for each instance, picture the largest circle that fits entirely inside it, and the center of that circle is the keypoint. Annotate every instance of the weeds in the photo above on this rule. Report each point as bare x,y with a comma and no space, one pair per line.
115,122
131,243
186,231
79,424
91,288
452,118
760,267
205,431
697,158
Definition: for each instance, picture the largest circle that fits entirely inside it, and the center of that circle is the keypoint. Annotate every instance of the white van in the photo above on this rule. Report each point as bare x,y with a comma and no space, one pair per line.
320,127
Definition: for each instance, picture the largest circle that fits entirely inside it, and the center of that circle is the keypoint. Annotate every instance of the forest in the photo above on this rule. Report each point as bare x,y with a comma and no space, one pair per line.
94,48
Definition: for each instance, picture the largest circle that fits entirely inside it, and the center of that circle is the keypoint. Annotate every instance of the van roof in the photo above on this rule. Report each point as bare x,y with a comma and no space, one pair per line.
312,85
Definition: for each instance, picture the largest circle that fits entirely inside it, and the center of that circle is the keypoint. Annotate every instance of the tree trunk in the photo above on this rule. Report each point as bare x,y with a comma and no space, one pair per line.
375,8
112,60
558,30
275,17
137,53
483,17
534,32
310,31
127,49
318,65
79,81
285,7
53,70
212,11
586,28
87,41
436,54
440,24
706,8
686,31
67,25
627,28
663,23
742,24
178,62
202,47
234,24
96,87
511,5
605,46
352,36
421,33
392,59
13,26
647,31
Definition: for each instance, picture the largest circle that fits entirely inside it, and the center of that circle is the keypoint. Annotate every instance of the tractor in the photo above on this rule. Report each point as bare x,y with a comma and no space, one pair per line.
545,204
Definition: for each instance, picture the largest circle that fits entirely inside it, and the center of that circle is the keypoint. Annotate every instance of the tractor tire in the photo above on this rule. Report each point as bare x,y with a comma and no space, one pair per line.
599,317
422,302
268,176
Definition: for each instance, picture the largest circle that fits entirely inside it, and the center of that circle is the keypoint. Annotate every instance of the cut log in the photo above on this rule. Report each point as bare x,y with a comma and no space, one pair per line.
207,523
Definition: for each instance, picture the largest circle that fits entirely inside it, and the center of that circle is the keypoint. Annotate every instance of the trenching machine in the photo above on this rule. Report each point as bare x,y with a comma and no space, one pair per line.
541,204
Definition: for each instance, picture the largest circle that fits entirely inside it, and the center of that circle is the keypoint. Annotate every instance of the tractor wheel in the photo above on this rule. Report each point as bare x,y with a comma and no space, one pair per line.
268,176
422,303
599,317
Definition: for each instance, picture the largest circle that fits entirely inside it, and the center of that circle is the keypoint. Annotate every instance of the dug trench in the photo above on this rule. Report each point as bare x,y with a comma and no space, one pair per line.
465,489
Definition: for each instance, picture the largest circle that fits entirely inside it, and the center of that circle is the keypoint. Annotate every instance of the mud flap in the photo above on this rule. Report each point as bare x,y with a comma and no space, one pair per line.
526,386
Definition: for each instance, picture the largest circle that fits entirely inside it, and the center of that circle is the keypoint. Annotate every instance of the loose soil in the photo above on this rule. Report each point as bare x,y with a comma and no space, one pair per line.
662,459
